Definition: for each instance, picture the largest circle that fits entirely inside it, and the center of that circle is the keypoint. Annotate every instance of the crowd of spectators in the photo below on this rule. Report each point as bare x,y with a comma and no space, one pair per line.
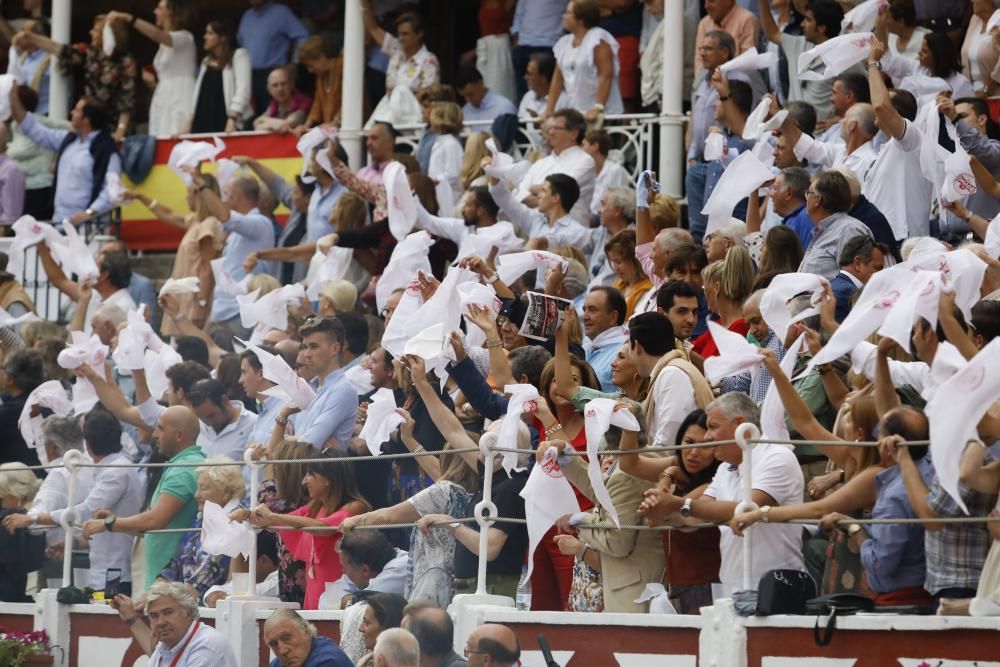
833,277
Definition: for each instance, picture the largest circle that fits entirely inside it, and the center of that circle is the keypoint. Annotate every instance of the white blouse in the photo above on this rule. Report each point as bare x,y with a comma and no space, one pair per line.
581,79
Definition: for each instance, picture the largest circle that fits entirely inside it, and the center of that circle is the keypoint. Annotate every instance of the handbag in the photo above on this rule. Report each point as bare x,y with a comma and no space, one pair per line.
784,592
831,606
586,590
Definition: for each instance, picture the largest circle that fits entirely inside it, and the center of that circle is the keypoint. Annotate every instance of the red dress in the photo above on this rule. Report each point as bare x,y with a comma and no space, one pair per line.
705,344
318,551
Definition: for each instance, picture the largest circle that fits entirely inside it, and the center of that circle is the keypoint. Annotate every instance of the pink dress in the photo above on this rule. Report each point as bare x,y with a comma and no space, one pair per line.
318,552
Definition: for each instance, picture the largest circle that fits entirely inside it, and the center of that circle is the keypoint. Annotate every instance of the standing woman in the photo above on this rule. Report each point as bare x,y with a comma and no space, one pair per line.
586,64
319,56
222,90
978,56
446,154
173,67
107,79
333,496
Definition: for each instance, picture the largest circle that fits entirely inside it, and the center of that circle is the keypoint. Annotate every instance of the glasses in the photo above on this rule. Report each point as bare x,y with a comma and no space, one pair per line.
469,652
559,128
811,193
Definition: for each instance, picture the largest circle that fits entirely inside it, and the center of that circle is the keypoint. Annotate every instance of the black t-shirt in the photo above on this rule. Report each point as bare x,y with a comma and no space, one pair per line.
506,496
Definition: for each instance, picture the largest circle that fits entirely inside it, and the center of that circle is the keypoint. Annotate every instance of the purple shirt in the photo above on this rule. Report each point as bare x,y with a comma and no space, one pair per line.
372,172
11,190
299,102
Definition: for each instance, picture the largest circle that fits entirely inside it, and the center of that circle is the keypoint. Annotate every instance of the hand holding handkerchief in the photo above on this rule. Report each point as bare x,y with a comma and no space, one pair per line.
382,420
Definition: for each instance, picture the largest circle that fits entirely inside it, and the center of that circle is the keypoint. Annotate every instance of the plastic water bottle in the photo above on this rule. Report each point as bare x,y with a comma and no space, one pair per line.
523,599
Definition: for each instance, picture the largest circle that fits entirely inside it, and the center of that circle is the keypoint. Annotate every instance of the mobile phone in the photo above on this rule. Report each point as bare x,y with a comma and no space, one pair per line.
112,583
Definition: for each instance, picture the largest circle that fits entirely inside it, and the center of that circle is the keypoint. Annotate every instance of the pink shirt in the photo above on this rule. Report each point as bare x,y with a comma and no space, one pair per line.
739,22
318,551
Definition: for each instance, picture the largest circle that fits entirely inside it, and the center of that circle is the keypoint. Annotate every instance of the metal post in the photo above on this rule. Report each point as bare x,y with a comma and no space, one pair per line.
483,508
254,490
744,433
351,111
671,168
71,460
62,14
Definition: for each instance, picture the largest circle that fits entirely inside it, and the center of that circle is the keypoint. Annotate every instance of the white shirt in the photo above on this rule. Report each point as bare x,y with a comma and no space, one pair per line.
470,240
119,490
897,187
564,231
581,78
53,494
232,440
532,102
445,166
612,175
674,401
573,161
208,648
267,588
120,298
776,472
836,155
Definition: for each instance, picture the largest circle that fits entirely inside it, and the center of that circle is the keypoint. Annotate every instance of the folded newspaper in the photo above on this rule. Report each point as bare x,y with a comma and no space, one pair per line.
544,315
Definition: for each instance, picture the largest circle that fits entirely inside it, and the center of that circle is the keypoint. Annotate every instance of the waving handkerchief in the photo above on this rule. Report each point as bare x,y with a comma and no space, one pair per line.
108,42
992,240
863,17
715,146
961,272
919,300
953,422
225,171
360,378
736,354
513,266
925,88
222,537
427,344
522,399
8,320
324,268
480,243
475,293
159,358
774,303
744,175
83,350
994,22
401,202
504,167
74,256
547,497
130,353
599,415
394,339
29,232
7,83
757,127
49,395
382,420
408,257
191,154
225,282
772,412
307,143
658,598
837,55
444,307
947,361
959,181
270,310
288,385
749,61
188,285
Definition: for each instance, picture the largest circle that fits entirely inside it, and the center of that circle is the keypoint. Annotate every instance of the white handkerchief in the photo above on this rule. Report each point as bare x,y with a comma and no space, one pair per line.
947,361
837,55
513,266
427,344
715,146
188,285
504,167
130,353
992,240
961,272
408,257
994,22
324,268
925,88
863,17
959,181
7,83
225,282
522,399
919,300
116,191
288,385
402,205
547,497
28,232
756,125
736,354
192,153
772,412
49,395
749,61
658,598
222,537
271,309
444,307
774,303
108,42
83,350
955,410
599,415
8,320
394,339
305,146
475,293
158,360
75,257
743,175
360,378
480,242
382,420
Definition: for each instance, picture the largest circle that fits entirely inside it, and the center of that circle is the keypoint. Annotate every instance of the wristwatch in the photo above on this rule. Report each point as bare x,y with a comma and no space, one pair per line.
685,510
33,515
764,514
492,279
877,64
109,522
853,529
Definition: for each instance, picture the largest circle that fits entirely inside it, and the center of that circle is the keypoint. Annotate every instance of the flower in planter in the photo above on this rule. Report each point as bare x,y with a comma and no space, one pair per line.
16,647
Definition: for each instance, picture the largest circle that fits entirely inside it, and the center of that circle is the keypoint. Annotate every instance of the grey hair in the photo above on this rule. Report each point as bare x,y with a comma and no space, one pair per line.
736,404
112,313
577,278
725,40
182,594
865,115
293,616
623,199
63,433
398,647
228,479
671,238
734,231
248,186
799,304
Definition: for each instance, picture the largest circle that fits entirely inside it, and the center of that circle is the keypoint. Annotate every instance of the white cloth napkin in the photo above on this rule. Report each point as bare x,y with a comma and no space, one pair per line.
772,412
222,537
49,395
742,176
715,146
959,181
504,167
547,497
360,378
7,83
130,352
187,285
394,339
736,354
919,300
307,143
225,282
994,22
108,42
513,266
750,61
837,55
992,240
445,306
961,272
863,17
287,384
758,124
324,268
480,243
192,153
225,170
83,350
774,303
522,399
400,201
8,320
28,232
158,360
270,310
599,415
382,420
408,257
658,598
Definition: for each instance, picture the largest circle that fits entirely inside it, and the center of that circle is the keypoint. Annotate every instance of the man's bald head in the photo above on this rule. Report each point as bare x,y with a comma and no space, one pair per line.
432,626
497,641
177,430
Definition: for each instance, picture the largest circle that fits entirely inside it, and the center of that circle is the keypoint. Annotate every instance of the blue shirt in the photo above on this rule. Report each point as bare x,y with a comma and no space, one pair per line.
539,22
247,233
331,414
27,68
491,106
75,169
321,206
894,556
802,225
266,33
324,653
600,359
142,291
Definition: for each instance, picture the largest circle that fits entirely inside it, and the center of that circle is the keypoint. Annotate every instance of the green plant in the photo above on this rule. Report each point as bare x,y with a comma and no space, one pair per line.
16,646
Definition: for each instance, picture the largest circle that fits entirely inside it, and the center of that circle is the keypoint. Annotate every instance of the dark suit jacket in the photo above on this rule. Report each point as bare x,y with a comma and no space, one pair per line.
843,289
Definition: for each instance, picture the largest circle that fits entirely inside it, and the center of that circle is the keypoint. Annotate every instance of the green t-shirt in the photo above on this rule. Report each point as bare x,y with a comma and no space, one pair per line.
181,483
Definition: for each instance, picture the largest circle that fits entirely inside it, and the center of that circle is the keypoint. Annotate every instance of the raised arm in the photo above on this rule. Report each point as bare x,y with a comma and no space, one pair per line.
111,398
55,273
798,412
143,26
767,23
163,212
444,419
372,27
645,195
889,120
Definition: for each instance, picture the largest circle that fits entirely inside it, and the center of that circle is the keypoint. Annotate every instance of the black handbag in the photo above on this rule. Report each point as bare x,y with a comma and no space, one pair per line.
832,606
784,592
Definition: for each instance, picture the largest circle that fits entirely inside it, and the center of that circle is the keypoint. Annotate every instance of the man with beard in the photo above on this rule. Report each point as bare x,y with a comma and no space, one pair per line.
478,231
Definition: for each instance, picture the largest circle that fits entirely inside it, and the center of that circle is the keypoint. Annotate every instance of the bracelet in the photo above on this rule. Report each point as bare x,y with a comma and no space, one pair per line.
553,429
598,106
132,21
823,369
131,621
281,420
583,552
153,204
843,476
418,448
876,63
496,342
667,473
492,279
968,216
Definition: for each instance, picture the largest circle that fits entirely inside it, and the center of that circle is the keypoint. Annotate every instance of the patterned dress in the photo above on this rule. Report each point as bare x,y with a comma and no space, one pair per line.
110,80
431,568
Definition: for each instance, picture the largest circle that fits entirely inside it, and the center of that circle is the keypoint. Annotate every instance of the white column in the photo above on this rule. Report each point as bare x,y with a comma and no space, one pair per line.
59,84
354,82
671,169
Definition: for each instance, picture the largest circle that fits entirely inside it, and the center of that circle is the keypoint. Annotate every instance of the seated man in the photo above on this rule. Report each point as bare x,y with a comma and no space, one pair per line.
295,643
481,103
267,571
435,633
496,642
396,647
288,108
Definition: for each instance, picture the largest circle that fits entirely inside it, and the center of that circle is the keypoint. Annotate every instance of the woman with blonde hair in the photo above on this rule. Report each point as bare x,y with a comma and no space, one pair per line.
632,280
337,296
201,243
472,173
23,552
446,154
727,284
318,56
